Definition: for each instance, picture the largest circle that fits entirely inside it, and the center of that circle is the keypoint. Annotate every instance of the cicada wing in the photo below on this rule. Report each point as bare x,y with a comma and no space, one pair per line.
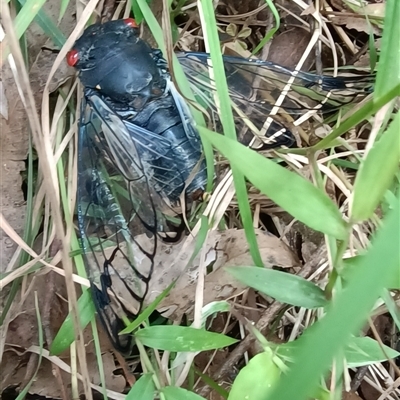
255,88
116,202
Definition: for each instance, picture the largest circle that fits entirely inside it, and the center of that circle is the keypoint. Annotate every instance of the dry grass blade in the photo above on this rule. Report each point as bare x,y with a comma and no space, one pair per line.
41,138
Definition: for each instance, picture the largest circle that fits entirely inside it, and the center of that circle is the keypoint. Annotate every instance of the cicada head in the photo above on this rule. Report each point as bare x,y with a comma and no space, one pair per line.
112,59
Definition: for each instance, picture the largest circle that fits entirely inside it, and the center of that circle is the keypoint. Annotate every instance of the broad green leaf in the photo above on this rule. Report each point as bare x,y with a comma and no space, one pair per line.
282,286
292,192
182,338
347,314
256,379
177,393
66,334
352,263
376,173
143,389
365,351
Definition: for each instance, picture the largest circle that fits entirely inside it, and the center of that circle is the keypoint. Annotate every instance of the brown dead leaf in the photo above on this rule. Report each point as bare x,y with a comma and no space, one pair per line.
114,382
228,248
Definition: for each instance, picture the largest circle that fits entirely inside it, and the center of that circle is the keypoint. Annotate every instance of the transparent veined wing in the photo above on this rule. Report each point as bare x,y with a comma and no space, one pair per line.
256,88
120,195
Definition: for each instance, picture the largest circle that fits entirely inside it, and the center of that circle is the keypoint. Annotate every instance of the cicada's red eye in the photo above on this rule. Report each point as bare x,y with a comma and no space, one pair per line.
130,22
72,57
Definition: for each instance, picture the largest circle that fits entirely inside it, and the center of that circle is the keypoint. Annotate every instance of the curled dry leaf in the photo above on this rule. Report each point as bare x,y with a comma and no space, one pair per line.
227,248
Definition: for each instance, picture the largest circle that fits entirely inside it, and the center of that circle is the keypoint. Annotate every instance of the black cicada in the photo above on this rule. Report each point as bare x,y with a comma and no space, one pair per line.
138,145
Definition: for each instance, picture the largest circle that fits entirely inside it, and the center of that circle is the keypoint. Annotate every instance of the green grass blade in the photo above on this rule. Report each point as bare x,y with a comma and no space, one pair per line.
143,316
26,15
48,26
292,192
209,24
271,32
66,334
63,8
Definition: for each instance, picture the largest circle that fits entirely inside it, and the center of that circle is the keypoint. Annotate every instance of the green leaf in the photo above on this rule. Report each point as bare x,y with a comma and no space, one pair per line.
137,12
66,335
212,308
271,32
256,379
63,8
282,286
389,62
347,314
392,307
376,173
26,15
231,29
292,192
48,26
213,385
211,39
365,351
177,393
143,389
182,338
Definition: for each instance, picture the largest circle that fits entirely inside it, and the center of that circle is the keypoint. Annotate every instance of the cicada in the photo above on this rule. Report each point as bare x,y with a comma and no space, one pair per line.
138,146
